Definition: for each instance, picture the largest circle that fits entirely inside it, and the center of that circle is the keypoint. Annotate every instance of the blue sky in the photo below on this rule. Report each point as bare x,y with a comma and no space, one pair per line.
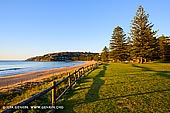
36,27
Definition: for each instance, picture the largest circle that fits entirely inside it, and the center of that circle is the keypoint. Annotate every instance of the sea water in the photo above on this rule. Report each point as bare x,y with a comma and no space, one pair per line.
12,67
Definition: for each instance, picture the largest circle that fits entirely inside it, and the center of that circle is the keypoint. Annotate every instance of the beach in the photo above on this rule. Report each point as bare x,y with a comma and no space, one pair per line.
8,82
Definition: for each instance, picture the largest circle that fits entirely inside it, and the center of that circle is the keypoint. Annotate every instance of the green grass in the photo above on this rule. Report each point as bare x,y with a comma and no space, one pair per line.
11,98
119,87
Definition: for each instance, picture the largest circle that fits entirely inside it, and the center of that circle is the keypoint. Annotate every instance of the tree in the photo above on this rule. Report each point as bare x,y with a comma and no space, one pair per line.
129,46
164,48
144,40
105,54
117,44
96,57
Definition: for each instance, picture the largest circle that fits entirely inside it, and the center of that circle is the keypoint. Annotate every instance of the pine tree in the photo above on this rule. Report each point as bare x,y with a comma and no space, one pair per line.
105,54
117,44
144,41
129,46
164,48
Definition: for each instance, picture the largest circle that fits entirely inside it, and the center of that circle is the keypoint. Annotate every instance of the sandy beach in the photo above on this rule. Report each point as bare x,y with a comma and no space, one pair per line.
12,81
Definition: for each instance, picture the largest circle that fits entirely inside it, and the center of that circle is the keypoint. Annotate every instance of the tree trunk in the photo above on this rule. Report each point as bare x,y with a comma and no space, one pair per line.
141,60
144,60
163,57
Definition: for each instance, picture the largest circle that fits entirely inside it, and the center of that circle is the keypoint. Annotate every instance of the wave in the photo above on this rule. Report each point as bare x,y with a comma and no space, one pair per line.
18,67
10,69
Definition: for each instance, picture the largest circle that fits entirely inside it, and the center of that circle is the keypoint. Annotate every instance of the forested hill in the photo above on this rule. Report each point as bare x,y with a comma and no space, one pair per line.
66,56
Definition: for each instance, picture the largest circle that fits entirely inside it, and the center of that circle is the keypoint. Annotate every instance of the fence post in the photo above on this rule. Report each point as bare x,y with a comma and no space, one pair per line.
83,71
69,79
75,76
86,69
78,72
93,67
54,93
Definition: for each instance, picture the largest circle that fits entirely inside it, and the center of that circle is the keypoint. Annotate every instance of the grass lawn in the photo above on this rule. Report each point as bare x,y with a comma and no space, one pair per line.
119,87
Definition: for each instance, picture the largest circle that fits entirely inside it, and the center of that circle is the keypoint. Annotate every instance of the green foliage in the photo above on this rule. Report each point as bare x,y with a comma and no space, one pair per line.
144,40
118,44
142,44
96,57
65,56
164,48
105,54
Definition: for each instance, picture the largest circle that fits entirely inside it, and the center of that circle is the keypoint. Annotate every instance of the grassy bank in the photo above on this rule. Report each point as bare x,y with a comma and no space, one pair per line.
121,88
12,97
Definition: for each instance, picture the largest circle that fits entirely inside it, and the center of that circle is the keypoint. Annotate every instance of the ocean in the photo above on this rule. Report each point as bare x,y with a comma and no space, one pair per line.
12,67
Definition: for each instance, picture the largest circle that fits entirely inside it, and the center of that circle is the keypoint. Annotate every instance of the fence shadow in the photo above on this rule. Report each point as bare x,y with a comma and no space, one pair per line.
69,104
93,93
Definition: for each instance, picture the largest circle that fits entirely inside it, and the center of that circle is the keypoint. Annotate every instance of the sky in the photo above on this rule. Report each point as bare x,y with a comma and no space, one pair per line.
36,27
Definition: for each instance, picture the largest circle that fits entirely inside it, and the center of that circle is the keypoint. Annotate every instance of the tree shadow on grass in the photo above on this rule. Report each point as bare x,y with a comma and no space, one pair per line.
161,73
164,73
135,94
141,67
93,93
129,95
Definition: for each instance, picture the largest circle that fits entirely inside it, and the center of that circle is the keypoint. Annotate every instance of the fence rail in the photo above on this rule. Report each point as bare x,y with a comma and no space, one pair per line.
69,81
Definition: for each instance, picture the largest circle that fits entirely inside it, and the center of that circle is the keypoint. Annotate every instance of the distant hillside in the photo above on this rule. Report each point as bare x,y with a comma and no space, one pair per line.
66,56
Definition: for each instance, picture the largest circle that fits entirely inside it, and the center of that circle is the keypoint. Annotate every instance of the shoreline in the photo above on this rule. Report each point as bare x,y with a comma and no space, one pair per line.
6,82
38,70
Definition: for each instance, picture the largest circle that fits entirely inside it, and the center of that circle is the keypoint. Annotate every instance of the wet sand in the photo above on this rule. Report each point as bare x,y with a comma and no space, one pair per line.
12,81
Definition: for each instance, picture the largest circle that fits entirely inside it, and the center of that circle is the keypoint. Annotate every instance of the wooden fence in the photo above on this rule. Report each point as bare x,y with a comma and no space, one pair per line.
69,82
